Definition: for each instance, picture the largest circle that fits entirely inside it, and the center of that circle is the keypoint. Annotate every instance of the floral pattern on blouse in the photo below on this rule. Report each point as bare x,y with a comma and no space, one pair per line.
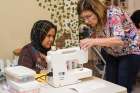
120,25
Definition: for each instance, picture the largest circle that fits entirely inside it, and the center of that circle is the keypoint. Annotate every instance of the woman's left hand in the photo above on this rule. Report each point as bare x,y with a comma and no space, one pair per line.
138,33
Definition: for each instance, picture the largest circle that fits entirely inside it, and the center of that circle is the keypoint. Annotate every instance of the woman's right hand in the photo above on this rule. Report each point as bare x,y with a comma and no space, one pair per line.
86,43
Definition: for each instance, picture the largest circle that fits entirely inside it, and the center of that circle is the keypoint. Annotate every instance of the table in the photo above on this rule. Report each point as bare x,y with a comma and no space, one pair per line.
89,85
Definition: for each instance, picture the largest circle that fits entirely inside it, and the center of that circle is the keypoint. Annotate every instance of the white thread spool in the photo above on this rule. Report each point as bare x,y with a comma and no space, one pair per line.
8,63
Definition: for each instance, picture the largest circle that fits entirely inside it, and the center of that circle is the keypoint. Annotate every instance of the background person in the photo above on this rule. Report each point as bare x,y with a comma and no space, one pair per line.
136,20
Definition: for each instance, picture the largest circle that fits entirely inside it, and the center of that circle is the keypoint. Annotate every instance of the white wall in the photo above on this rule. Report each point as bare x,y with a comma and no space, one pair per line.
16,20
136,4
133,5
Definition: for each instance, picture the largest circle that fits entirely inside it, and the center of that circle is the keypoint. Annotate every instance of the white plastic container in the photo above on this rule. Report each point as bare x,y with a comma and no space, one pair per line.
29,87
20,74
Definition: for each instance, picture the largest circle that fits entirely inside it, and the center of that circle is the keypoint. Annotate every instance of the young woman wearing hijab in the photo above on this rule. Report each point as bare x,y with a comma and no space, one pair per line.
116,34
42,37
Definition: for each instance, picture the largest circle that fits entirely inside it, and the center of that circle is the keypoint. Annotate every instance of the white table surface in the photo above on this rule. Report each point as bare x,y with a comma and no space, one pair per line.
95,85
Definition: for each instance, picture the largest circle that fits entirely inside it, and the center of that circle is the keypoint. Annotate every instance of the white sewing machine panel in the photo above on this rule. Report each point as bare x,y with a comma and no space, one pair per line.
65,66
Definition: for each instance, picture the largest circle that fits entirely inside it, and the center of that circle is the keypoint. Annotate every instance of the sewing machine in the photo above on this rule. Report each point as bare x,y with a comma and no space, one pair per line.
65,66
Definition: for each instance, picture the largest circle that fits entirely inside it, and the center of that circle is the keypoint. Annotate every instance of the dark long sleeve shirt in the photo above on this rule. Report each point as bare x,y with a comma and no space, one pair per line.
31,58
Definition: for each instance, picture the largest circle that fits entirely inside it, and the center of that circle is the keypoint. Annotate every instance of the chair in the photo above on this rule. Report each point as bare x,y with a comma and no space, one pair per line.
16,53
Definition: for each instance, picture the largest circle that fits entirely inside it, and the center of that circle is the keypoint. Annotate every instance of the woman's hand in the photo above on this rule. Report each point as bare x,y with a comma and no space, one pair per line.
138,43
86,43
138,33
107,42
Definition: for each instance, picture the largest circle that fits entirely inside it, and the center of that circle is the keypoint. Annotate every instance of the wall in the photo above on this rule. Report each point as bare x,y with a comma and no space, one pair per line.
16,20
133,5
64,14
136,4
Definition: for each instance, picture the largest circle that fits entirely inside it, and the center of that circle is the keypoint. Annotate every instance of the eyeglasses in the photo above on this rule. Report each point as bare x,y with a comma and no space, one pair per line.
88,17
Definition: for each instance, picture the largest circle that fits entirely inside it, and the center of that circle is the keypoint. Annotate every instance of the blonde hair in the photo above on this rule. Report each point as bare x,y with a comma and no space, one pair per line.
97,8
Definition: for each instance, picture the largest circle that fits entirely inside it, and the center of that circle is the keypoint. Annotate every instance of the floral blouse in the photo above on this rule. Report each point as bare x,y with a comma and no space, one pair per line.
120,25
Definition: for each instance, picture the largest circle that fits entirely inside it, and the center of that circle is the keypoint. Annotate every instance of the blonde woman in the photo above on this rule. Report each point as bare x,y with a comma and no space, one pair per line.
117,35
